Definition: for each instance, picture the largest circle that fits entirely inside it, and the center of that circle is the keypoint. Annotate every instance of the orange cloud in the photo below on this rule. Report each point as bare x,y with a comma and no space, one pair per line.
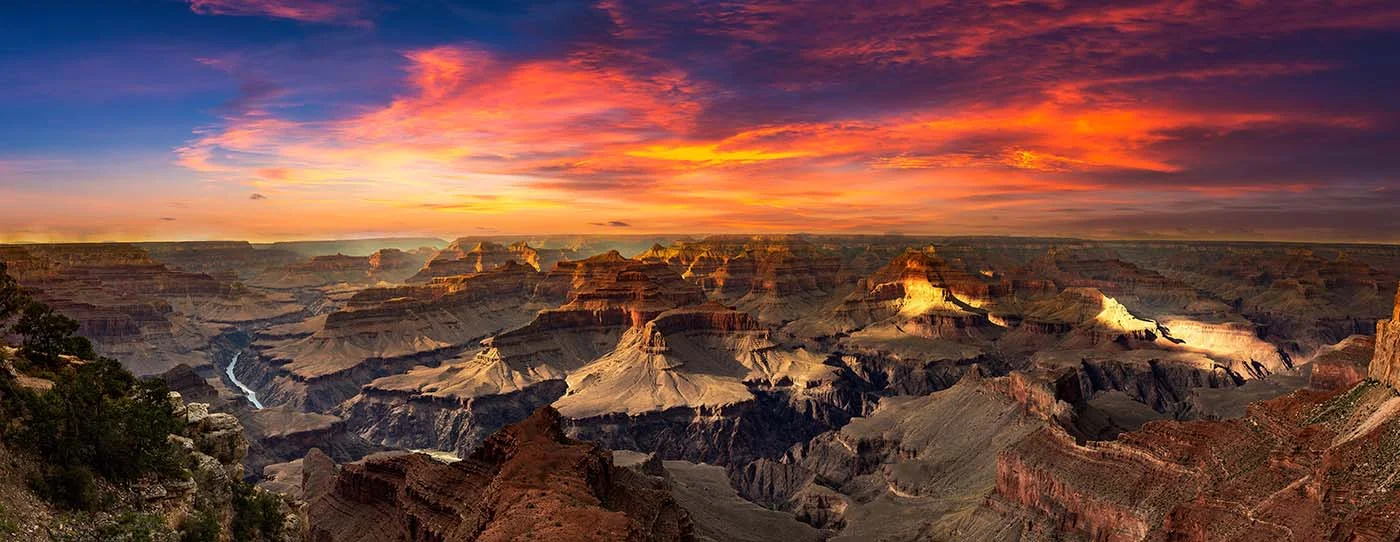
612,131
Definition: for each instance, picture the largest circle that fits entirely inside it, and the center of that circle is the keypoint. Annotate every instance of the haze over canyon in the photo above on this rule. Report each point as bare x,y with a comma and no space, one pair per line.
736,387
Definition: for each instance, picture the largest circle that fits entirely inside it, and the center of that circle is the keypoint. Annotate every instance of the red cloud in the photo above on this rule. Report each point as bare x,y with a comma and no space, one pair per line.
1041,109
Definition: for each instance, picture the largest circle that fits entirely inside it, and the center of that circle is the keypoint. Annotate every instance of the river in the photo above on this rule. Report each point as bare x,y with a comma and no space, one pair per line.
252,395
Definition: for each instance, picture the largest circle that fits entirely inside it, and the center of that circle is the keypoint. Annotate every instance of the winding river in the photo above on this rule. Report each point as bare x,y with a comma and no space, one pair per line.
252,395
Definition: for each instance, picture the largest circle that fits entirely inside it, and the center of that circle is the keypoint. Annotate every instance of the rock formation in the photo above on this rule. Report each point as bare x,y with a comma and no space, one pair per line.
1385,366
528,480
699,358
388,330
521,369
1312,465
777,279
1343,365
145,313
915,468
458,260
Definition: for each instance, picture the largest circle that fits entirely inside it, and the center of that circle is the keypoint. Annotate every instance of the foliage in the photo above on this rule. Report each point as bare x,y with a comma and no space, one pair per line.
48,335
201,526
128,527
12,299
257,515
67,486
8,525
98,419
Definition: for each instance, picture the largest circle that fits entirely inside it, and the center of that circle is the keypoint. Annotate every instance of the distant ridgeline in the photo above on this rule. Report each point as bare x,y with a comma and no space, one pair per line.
96,454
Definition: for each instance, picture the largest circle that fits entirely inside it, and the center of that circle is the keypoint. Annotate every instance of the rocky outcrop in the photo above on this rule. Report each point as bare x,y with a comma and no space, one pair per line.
912,469
717,510
701,358
466,256
1236,344
1385,366
1308,466
542,259
281,434
394,265
1342,365
387,331
777,279
215,445
919,292
527,479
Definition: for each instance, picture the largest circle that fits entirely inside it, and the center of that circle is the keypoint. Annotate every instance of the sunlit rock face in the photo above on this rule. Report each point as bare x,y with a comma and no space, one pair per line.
1311,465
1385,366
394,265
777,279
591,304
466,256
542,259
700,357
918,292
458,259
1300,297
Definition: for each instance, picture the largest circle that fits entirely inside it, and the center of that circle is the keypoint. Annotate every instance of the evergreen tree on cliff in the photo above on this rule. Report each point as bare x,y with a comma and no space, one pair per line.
11,297
49,335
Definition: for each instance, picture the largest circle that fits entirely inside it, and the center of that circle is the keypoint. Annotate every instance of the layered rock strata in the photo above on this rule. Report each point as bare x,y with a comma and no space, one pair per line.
526,480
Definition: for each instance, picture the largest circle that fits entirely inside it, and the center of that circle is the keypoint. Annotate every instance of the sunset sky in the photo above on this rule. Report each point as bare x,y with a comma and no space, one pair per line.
285,119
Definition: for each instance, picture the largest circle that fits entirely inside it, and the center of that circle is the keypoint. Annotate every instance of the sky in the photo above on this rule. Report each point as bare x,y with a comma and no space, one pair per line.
290,119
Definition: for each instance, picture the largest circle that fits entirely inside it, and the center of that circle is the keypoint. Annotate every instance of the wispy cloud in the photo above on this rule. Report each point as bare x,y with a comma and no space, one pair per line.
346,12
774,115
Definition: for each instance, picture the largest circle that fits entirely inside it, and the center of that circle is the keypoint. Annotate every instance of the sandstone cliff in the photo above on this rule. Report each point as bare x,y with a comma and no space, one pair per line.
526,480
1385,366
150,316
1311,465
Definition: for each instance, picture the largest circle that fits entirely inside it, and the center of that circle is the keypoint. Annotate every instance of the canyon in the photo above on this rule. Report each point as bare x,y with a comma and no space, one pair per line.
824,387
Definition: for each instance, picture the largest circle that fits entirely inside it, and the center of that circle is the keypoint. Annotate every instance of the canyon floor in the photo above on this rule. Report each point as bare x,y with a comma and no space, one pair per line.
797,387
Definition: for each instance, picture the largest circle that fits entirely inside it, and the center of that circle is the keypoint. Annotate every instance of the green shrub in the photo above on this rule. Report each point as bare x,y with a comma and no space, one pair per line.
257,516
201,526
8,525
48,335
12,298
68,486
97,419
128,527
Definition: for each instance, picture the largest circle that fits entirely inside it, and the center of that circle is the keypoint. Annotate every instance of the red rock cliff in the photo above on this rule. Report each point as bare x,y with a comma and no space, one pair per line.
1385,365
526,481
